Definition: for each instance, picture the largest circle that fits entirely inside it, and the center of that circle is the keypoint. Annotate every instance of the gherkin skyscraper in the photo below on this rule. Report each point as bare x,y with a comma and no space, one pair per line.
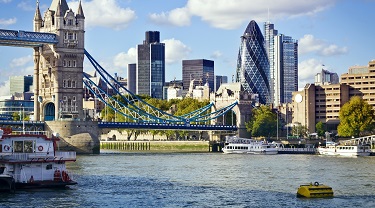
253,71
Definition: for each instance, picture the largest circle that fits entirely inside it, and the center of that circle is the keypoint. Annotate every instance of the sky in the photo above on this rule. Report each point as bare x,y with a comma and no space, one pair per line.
332,34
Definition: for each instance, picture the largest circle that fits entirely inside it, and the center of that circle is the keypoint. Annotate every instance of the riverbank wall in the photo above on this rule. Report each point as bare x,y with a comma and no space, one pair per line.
160,146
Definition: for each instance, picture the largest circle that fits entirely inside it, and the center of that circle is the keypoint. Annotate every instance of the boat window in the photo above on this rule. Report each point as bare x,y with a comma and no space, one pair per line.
28,146
18,146
49,167
2,170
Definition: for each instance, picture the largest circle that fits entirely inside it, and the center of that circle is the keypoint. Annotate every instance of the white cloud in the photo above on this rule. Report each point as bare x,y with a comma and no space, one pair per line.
5,88
178,17
5,1
25,5
216,54
105,13
226,14
307,70
309,44
122,59
6,22
20,62
175,51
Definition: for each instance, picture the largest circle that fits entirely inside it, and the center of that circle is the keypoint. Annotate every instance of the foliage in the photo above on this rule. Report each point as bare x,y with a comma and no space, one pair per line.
320,128
300,130
263,122
356,116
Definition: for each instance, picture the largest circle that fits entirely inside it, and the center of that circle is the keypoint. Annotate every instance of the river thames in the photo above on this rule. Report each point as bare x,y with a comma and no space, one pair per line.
205,180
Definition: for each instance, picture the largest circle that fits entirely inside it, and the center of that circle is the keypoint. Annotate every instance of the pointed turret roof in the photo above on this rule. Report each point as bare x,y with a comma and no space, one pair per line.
80,11
37,15
62,3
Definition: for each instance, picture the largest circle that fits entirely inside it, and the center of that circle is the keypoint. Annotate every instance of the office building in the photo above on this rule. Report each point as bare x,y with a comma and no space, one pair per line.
253,70
151,66
132,78
219,80
325,78
20,84
282,54
198,72
323,102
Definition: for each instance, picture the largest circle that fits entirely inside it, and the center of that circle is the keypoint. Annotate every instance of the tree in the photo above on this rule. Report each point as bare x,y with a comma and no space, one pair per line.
320,128
263,122
299,130
356,116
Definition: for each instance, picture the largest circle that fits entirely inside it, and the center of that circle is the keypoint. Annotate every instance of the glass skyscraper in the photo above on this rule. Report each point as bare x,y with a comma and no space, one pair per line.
282,53
199,70
253,69
151,66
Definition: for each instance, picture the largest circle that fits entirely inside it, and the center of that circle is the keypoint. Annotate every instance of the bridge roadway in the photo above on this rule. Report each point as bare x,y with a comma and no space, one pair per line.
26,39
39,126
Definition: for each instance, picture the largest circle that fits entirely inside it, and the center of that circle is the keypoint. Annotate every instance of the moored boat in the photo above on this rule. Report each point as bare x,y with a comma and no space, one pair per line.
33,161
335,149
235,144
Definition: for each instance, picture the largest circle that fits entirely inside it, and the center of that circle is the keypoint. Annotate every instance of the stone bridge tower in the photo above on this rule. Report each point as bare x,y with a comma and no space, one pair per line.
226,95
58,69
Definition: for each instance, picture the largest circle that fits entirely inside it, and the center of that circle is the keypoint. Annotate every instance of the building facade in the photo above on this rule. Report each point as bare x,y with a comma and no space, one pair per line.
20,84
132,78
253,70
200,70
219,80
58,69
282,54
323,102
325,78
151,66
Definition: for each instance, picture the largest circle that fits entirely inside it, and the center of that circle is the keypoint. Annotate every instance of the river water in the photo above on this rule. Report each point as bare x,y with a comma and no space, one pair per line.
205,180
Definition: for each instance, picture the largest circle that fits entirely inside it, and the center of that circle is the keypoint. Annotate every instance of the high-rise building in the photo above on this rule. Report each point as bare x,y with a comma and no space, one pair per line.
151,66
132,78
325,78
253,70
219,80
282,54
20,84
199,70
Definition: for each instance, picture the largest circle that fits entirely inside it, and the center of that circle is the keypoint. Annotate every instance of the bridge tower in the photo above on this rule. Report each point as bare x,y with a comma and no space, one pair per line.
227,94
58,69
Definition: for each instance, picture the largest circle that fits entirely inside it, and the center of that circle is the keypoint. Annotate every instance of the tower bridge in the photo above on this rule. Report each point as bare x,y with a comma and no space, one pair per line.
58,52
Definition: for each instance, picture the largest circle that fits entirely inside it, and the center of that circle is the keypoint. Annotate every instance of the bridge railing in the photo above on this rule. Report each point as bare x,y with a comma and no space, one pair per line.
28,36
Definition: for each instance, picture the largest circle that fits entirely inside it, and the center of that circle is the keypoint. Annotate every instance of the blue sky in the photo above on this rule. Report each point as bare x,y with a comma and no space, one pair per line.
334,33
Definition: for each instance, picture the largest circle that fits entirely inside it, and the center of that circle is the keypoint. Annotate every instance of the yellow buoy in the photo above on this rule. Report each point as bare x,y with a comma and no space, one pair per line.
315,190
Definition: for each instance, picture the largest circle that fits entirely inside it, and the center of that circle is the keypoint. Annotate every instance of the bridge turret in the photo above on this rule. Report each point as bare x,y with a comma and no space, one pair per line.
37,18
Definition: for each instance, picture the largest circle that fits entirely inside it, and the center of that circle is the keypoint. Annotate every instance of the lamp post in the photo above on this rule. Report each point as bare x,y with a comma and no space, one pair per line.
22,118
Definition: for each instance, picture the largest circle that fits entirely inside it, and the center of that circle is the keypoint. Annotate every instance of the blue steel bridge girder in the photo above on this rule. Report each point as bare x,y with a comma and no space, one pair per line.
163,126
26,39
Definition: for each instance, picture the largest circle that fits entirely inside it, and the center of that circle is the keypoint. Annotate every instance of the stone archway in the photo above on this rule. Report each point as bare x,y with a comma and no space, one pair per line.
49,112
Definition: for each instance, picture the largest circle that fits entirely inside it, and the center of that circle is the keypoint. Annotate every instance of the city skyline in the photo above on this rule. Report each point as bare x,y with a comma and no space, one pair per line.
211,30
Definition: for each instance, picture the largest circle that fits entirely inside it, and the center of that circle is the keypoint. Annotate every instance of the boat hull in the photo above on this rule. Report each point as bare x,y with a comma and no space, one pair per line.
44,184
7,183
269,152
332,152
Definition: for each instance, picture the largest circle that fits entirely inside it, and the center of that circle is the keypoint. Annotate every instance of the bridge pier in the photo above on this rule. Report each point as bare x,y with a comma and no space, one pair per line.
79,136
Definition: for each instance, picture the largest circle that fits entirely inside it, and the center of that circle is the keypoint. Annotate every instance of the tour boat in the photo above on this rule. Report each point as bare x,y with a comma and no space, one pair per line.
32,161
235,144
335,149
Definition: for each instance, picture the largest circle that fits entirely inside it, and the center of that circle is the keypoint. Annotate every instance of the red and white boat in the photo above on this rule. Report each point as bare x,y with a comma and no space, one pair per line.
33,161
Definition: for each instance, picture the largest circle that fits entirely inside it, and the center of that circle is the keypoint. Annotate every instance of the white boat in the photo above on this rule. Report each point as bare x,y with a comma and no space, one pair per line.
32,161
235,144
335,149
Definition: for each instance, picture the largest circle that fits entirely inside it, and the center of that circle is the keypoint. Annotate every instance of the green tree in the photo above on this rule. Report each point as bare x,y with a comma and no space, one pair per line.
320,128
356,116
299,130
263,122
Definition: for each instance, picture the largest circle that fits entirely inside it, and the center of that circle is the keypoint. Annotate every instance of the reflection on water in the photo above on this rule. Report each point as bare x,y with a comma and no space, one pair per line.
206,180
